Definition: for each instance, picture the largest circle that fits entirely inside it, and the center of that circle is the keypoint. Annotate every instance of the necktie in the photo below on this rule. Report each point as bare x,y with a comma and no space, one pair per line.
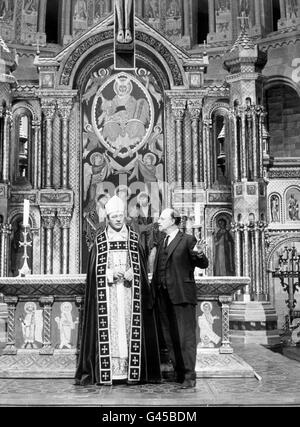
166,242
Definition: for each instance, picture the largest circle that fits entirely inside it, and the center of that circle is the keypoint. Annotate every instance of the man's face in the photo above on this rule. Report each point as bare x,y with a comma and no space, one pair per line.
165,220
116,220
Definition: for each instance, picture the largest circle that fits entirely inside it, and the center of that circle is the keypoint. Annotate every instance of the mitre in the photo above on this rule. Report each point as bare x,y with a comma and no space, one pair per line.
114,205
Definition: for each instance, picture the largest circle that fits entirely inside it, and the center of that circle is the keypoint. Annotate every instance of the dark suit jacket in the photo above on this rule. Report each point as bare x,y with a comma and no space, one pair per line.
181,264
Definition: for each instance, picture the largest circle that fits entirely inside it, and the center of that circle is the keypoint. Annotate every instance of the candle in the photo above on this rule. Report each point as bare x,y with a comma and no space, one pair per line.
197,213
26,213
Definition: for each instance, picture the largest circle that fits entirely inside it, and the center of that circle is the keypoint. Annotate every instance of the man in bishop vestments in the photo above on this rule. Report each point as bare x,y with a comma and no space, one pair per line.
119,337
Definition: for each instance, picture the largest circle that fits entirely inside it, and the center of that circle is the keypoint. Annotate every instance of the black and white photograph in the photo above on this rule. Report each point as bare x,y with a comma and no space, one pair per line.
149,206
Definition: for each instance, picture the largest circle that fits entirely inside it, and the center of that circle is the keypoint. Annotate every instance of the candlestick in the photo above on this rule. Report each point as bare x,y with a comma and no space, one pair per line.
26,213
25,268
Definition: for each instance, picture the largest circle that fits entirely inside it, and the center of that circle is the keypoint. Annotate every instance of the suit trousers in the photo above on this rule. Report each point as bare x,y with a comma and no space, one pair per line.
178,325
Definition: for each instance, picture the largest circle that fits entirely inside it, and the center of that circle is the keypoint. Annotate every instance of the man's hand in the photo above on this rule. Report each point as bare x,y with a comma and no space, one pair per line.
128,275
199,247
118,275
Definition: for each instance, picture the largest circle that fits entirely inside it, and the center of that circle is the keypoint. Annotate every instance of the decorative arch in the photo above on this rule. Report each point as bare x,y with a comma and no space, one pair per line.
22,154
275,80
103,41
213,216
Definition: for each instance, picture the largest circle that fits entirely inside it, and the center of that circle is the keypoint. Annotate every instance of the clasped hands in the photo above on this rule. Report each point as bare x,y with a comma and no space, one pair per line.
123,275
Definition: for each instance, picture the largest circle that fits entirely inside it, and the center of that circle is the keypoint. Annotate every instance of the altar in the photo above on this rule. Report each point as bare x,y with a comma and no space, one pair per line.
44,326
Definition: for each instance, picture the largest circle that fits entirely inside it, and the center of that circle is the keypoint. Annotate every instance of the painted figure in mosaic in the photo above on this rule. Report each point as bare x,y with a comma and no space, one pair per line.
224,251
208,338
119,339
178,254
123,12
31,325
124,118
65,325
293,206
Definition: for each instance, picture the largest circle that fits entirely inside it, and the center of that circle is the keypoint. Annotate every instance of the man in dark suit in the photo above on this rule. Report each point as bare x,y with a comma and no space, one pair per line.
173,282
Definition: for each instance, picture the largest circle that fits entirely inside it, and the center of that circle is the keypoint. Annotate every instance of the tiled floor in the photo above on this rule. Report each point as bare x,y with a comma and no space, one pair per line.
279,386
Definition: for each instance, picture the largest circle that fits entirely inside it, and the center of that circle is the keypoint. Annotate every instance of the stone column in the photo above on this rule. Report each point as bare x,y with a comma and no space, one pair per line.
212,17
46,303
262,115
237,246
194,107
258,13
206,140
64,110
186,11
48,108
42,16
5,230
10,348
225,347
6,145
235,161
48,221
254,141
258,286
37,169
282,9
243,146
246,261
64,216
178,109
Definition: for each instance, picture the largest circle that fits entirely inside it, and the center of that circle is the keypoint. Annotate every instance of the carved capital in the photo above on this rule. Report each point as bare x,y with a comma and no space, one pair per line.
195,107
36,124
48,217
46,301
64,216
64,108
11,301
79,300
225,299
5,229
48,108
178,108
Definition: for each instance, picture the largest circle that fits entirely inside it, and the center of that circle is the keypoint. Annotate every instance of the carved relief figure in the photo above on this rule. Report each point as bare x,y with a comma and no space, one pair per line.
32,325
123,21
245,11
224,251
30,6
80,11
152,9
275,216
293,208
66,325
208,338
223,15
292,8
173,9
6,10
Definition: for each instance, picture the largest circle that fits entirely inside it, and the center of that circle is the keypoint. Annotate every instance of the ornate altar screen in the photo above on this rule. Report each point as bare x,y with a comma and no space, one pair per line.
123,145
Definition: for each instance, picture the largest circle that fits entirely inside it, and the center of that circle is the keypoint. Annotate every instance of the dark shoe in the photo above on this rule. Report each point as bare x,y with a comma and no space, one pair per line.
188,384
